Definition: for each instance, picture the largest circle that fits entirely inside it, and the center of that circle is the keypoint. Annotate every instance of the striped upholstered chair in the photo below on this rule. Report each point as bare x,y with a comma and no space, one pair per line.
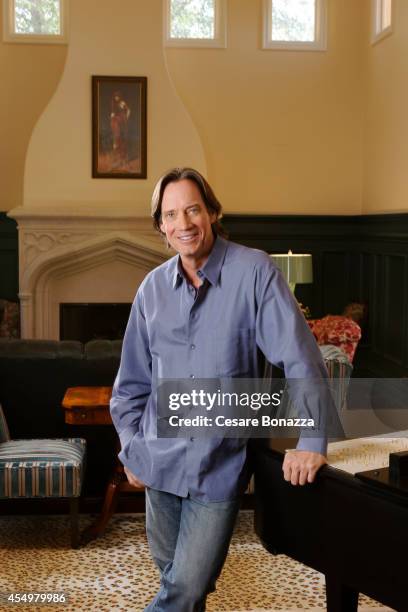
42,468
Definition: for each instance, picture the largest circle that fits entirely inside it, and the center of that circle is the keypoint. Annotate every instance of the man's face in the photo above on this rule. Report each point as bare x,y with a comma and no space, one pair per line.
186,220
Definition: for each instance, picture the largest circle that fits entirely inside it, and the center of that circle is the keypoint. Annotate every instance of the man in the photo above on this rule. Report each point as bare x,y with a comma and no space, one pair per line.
205,313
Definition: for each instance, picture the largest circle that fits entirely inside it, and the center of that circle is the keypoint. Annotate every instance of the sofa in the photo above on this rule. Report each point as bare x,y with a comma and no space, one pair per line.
34,375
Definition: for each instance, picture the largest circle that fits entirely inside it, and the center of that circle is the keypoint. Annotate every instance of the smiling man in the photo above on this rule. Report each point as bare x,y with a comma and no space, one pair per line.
187,224
205,313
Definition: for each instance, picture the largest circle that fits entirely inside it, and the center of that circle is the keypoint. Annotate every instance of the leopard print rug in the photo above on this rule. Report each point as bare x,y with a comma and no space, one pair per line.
115,573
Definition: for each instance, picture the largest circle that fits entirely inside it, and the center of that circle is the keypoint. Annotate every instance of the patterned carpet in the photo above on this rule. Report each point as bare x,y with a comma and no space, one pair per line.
116,573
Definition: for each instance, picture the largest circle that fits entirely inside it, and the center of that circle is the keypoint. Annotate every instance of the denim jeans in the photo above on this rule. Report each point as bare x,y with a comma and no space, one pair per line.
188,541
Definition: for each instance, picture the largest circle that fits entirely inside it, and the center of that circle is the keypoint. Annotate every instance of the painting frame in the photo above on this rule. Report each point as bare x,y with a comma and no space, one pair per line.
119,127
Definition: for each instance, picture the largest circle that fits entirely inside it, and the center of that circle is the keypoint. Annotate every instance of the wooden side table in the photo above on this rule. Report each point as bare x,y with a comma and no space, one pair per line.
90,406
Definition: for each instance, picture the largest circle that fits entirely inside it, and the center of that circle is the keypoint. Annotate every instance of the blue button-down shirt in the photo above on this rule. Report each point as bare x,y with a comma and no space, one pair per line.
176,331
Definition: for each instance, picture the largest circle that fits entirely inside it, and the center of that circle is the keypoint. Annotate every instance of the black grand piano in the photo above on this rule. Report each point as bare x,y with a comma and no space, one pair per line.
353,529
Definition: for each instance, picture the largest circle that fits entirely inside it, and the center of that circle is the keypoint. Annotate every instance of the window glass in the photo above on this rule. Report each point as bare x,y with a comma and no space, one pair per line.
37,17
293,20
192,19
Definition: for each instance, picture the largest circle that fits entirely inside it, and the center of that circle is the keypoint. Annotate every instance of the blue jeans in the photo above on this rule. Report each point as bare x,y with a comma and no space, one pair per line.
188,541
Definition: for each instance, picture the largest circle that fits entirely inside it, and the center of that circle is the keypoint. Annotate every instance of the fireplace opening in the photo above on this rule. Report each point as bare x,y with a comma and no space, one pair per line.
97,321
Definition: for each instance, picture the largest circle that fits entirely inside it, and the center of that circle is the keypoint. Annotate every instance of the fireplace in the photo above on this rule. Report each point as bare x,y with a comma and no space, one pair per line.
73,266
97,321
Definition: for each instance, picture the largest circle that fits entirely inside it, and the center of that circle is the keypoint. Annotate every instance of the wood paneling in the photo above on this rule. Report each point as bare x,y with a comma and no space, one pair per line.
355,259
8,258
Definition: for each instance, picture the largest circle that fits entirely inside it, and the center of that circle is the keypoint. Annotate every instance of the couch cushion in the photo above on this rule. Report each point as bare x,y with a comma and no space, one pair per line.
41,468
40,349
103,349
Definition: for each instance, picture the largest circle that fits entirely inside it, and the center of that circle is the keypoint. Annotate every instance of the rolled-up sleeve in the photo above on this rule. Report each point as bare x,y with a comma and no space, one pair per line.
132,385
285,339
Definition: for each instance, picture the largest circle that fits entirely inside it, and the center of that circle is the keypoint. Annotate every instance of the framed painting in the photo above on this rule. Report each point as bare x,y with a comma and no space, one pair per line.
119,147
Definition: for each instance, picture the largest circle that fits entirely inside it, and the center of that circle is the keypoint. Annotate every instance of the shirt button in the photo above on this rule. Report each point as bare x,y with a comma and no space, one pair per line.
192,376
192,347
192,439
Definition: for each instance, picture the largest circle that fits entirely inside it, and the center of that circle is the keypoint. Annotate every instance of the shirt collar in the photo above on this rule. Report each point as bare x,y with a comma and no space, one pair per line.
213,265
211,270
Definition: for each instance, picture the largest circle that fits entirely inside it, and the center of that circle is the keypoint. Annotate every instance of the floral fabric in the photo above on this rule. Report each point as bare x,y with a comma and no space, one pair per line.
9,319
337,330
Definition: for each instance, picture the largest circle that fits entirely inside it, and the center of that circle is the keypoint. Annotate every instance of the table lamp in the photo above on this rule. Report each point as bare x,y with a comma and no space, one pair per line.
296,268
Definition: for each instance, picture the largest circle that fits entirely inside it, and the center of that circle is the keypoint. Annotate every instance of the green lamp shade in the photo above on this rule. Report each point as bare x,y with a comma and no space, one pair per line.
296,268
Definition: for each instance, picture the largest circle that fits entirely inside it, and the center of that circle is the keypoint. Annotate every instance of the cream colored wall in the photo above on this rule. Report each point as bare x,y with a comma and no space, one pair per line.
282,131
29,76
385,187
107,40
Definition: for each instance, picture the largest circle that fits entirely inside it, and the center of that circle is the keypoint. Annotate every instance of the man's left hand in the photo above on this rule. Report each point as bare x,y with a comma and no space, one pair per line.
300,466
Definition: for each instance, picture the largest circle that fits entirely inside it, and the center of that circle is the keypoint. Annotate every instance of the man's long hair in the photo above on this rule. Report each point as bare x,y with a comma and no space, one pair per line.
178,174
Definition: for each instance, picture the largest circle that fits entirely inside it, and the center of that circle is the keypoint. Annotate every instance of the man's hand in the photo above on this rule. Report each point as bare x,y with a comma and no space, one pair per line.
135,482
300,466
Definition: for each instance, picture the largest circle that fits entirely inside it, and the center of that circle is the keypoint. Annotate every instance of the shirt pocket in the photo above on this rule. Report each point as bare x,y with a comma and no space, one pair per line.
233,352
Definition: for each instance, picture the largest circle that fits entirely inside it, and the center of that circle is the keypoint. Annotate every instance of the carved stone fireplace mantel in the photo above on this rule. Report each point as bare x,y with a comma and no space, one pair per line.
80,255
